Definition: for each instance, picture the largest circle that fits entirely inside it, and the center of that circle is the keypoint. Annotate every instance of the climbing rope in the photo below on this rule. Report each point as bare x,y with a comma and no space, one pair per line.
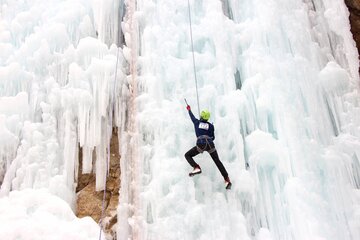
108,149
193,57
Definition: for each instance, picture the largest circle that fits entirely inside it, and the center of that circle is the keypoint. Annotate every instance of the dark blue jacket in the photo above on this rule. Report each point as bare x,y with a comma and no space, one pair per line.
202,127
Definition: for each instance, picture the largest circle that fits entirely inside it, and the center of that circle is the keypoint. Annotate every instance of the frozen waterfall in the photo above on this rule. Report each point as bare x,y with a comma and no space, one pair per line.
280,78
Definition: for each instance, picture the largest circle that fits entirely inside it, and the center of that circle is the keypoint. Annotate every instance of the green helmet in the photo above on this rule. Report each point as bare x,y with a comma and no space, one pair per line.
205,114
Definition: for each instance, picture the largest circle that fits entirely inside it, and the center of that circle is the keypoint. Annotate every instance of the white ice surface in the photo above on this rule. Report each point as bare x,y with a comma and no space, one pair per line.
39,215
280,78
57,93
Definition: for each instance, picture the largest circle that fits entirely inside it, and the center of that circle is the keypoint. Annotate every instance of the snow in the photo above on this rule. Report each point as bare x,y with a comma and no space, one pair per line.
37,214
280,79
334,78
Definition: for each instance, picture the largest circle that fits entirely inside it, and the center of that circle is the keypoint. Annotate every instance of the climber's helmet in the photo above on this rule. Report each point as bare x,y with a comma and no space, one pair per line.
205,115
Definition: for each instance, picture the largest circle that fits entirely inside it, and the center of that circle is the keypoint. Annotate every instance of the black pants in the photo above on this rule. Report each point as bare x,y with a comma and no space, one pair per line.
214,155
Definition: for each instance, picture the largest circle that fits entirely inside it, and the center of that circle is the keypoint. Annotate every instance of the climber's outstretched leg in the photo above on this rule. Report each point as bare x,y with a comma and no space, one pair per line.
214,155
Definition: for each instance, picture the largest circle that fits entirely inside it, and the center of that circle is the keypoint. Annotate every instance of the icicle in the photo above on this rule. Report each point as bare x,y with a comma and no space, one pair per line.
70,148
87,159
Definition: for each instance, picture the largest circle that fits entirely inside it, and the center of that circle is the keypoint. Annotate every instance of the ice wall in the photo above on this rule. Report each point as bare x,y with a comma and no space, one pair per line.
129,211
279,77
61,81
281,81
304,92
62,75
172,205
13,111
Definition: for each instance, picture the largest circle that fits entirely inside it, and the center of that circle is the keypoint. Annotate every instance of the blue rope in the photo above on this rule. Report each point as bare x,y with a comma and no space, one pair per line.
193,56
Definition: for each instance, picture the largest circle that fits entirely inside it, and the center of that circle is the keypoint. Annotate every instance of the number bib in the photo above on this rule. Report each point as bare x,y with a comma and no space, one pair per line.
204,126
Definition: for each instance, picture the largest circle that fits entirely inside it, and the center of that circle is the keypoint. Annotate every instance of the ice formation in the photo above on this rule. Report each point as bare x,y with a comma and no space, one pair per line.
280,78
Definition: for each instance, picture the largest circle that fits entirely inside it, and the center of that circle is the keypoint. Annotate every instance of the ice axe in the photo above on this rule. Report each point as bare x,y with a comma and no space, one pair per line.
186,102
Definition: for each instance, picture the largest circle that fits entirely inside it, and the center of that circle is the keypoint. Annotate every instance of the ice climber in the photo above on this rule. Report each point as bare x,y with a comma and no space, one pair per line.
205,142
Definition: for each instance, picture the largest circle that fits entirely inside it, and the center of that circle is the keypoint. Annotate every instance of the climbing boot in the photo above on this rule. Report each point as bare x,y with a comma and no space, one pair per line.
197,170
227,183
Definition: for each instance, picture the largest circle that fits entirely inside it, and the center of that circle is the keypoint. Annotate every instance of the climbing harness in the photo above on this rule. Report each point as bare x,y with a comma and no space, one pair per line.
207,144
193,57
108,149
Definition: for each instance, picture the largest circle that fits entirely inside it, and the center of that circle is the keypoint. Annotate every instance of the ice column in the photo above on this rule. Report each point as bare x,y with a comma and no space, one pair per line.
299,73
62,55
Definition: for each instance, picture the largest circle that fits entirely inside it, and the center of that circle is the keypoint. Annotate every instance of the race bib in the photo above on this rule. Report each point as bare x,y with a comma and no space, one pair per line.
204,126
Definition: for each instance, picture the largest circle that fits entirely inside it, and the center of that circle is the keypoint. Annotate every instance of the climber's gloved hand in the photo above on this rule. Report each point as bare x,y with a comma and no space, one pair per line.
188,107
